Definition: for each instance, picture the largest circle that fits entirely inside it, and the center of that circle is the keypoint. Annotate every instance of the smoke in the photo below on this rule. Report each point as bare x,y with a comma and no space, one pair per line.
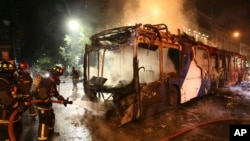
242,89
113,13
116,66
155,12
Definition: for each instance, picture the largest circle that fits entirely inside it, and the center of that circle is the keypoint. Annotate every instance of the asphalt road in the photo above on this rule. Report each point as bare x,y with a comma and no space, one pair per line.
84,120
68,122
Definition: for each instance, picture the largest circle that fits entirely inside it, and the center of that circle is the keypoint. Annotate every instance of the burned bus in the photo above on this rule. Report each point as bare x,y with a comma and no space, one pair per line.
146,70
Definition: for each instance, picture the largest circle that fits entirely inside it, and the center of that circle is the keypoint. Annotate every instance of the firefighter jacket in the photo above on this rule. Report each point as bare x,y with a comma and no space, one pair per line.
24,82
46,90
7,102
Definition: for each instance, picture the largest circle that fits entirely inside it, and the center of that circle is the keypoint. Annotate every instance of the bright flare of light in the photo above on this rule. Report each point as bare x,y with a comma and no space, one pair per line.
156,12
236,34
74,24
46,75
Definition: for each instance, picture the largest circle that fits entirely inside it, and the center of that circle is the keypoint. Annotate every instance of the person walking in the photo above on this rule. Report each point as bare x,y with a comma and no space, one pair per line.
75,78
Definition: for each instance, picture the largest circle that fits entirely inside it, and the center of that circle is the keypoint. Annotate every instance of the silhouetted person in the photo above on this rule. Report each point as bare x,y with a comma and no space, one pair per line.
75,78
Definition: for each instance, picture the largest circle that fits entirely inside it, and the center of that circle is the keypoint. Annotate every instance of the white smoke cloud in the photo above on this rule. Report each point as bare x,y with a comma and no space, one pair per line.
130,12
155,12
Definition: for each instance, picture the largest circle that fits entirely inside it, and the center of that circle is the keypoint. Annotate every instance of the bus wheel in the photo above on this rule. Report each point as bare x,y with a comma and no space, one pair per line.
173,98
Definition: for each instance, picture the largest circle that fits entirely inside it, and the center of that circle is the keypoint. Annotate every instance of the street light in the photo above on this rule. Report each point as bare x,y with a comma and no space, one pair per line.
236,34
73,24
74,35
236,42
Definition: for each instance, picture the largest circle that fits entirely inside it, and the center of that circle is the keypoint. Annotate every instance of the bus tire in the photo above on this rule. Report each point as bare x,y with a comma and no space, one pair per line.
173,97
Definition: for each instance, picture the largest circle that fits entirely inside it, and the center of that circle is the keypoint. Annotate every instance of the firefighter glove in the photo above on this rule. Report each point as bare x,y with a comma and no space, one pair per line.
62,100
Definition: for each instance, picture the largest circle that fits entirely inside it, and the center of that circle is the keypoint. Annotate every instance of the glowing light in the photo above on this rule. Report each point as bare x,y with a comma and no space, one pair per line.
236,34
156,12
73,24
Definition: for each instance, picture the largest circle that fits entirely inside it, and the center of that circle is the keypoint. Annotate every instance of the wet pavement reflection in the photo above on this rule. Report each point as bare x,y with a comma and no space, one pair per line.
84,120
68,119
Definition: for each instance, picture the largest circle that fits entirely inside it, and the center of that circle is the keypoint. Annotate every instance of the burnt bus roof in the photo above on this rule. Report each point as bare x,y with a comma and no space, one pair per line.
115,37
111,33
215,50
158,35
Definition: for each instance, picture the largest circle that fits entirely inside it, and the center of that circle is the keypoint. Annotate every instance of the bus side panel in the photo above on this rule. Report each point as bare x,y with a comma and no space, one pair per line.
192,83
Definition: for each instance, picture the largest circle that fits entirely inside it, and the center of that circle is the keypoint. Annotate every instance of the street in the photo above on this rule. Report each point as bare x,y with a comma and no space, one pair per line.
83,120
159,70
68,122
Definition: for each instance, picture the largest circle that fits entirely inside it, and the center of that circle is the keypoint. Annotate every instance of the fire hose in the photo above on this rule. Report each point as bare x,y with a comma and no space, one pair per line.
13,114
201,124
178,133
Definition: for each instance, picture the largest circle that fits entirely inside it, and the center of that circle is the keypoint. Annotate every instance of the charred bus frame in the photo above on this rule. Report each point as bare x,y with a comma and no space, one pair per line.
146,69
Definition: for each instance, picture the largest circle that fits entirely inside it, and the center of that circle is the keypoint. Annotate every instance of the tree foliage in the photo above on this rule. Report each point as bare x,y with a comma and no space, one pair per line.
43,64
73,50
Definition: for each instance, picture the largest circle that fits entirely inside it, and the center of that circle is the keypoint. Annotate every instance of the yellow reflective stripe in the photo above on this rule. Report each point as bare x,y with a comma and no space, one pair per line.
7,121
32,114
4,121
40,108
50,128
43,109
26,81
42,133
15,105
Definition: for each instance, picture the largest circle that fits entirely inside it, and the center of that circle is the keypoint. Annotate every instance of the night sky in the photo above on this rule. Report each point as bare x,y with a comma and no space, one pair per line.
43,21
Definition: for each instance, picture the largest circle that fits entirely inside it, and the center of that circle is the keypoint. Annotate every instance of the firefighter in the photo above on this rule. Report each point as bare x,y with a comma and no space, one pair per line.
5,55
8,103
47,88
24,82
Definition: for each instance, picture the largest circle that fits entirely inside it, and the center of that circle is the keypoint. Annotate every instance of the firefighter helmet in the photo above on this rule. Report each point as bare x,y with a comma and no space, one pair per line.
23,65
7,70
57,71
6,66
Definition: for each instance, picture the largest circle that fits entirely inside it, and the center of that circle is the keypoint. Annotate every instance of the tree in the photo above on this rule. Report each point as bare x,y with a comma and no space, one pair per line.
73,51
